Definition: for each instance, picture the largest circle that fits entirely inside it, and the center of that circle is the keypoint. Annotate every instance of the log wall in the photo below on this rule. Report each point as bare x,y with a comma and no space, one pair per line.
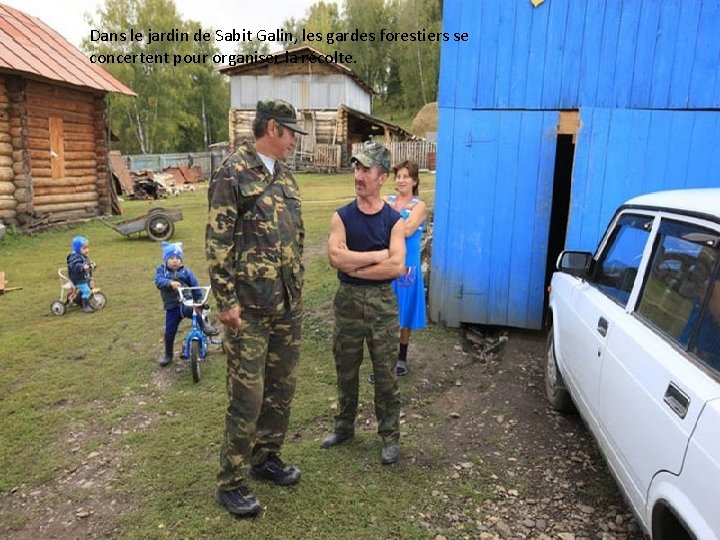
8,204
67,152
327,130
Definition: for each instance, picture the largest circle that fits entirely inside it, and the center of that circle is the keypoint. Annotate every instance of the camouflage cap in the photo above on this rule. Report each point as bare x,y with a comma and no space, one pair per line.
373,153
281,111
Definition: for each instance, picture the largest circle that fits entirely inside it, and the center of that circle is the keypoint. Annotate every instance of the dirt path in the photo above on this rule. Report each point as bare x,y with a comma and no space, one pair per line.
541,473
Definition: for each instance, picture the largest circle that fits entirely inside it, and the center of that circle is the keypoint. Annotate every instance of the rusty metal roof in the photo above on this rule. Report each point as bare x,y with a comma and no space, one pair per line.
29,46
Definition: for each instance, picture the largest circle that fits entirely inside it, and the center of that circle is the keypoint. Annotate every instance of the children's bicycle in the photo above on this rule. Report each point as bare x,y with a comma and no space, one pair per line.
195,344
69,295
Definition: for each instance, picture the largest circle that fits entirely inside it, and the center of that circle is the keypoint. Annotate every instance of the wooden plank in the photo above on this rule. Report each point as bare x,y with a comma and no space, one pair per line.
536,56
554,46
608,53
486,62
590,57
90,207
644,54
663,63
45,112
79,197
6,188
57,147
568,123
62,182
570,69
705,66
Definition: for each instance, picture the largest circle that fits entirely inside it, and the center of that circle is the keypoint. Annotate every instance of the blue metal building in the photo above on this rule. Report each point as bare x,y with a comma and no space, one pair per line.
551,116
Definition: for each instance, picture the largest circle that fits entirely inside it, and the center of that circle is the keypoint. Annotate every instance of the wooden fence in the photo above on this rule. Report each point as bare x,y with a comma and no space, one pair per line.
421,152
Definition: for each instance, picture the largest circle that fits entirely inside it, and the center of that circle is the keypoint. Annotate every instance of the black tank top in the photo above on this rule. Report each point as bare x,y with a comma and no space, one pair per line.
364,232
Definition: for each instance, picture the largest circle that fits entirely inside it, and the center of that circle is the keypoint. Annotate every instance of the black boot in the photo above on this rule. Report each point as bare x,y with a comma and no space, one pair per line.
167,357
86,307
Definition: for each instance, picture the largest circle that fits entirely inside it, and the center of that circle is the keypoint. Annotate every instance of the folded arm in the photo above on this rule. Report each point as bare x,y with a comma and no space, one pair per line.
344,259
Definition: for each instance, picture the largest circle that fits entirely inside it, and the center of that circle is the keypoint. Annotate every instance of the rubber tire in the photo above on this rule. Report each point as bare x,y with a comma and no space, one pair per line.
195,360
98,301
556,394
57,308
159,226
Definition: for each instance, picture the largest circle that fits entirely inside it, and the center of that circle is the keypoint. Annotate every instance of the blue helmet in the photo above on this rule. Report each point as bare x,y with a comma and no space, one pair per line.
78,242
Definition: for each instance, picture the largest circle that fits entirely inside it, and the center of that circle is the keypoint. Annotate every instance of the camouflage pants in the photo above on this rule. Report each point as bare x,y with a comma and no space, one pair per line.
367,315
261,359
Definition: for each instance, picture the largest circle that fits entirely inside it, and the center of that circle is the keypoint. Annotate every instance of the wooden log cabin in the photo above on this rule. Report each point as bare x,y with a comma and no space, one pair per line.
53,136
334,103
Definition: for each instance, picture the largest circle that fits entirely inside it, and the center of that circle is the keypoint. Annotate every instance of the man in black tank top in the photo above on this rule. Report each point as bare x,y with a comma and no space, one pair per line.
367,247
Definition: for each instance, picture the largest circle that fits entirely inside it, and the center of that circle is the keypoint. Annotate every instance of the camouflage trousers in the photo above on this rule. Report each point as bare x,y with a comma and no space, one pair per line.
367,315
261,359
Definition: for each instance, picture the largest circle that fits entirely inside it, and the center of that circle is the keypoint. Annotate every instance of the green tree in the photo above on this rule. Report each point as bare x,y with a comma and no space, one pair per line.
176,106
252,47
372,57
418,62
320,17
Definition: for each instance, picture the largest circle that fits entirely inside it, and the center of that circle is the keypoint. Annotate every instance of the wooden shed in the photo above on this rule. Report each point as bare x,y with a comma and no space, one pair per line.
53,136
333,102
551,116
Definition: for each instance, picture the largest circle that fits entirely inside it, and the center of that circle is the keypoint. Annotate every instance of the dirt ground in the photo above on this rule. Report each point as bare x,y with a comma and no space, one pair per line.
547,477
530,472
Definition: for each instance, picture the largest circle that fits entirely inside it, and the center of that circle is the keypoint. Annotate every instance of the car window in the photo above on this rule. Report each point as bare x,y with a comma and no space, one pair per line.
618,264
681,296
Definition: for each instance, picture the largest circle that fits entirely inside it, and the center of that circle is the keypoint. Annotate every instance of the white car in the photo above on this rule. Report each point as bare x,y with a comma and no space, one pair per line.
635,346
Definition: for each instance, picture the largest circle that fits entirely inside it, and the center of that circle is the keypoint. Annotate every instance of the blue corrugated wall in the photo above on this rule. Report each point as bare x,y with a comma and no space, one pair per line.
651,54
631,68
622,153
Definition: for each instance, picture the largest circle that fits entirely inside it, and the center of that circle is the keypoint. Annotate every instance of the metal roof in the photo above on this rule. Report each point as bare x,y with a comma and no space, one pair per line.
29,46
301,51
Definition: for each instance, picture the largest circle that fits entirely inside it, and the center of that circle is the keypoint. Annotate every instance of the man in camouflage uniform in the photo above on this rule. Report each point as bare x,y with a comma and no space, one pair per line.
367,247
254,242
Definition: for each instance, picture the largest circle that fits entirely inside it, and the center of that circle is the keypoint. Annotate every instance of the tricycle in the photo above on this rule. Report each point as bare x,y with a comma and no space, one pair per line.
158,223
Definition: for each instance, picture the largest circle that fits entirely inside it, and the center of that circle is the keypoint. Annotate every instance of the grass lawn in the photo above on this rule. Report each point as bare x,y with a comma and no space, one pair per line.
97,440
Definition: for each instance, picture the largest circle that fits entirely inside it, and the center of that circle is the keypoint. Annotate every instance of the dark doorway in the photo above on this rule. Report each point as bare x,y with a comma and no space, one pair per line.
562,179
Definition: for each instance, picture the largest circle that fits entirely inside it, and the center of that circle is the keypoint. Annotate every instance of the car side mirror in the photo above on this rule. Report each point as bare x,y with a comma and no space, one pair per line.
575,263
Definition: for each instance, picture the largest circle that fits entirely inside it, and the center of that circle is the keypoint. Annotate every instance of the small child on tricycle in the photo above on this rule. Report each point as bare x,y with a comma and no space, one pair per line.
77,285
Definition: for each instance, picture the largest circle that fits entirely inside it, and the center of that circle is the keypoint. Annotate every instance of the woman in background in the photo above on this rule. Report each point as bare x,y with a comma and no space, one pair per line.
409,288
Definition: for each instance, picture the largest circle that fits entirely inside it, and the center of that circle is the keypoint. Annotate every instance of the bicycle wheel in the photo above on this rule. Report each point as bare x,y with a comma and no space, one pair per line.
195,359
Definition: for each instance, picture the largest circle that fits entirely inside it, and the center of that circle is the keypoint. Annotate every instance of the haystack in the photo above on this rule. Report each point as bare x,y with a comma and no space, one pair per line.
426,120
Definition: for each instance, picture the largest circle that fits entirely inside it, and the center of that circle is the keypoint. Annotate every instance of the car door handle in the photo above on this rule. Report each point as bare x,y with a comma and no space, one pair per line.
677,400
602,326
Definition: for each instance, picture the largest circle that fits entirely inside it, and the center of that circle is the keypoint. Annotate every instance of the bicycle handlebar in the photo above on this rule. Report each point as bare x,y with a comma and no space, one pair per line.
191,302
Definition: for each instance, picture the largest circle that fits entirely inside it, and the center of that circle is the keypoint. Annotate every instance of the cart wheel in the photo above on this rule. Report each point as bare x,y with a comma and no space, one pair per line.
98,301
159,226
195,359
57,308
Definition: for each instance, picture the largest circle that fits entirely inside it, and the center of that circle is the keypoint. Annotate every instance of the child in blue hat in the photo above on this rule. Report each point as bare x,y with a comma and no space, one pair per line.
80,269
170,275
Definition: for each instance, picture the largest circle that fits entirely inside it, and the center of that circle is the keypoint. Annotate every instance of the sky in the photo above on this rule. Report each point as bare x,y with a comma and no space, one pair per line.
67,17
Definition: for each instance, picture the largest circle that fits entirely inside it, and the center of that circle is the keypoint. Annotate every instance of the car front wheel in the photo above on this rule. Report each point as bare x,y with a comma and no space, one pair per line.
555,391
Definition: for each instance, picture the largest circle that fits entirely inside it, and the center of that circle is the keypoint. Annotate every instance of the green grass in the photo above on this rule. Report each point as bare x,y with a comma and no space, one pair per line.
78,384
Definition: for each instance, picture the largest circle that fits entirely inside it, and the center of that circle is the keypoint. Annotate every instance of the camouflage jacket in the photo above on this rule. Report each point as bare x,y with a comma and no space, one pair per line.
254,235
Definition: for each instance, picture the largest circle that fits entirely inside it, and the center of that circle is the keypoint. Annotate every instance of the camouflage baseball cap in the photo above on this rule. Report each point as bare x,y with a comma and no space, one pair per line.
281,111
373,153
